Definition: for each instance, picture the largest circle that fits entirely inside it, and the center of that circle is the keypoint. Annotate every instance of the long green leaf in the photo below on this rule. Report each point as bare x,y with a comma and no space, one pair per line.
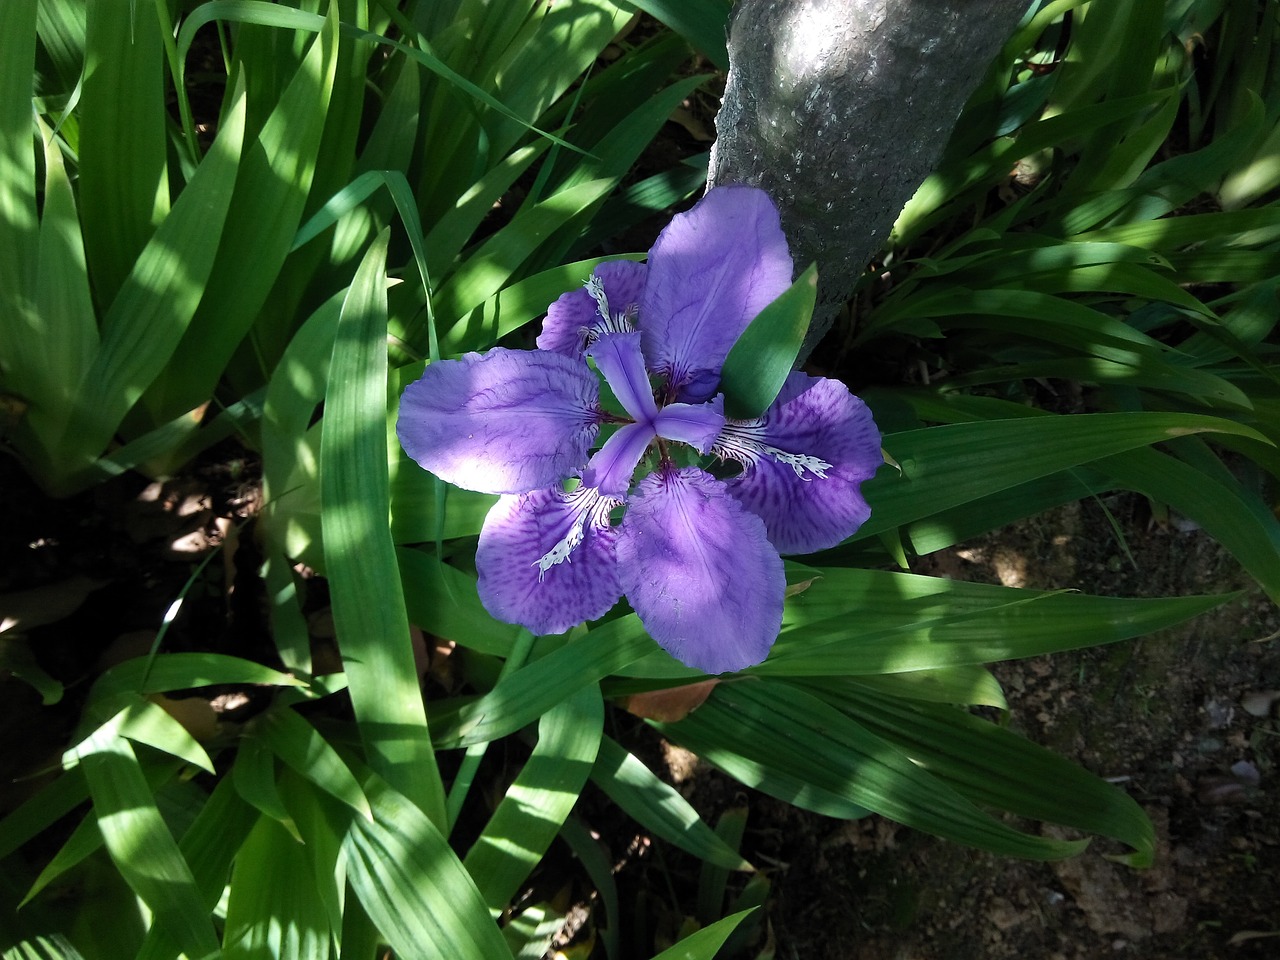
1252,536
658,807
181,671
534,689
995,767
68,337
761,359
124,185
209,846
518,834
148,317
943,467
254,777
271,191
364,580
705,944
855,622
272,910
17,190
514,306
704,23
491,266
300,746
754,728
413,886
142,847
443,601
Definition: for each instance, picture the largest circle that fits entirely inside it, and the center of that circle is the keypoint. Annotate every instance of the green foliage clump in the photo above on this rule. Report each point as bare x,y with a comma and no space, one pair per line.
273,215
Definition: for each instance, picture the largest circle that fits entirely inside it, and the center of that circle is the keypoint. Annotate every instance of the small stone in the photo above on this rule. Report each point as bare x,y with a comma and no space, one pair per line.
1246,773
1259,703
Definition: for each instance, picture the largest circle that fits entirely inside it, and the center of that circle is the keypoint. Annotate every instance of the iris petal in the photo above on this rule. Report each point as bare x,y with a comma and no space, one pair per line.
700,572
711,271
505,422
546,559
619,359
697,424
806,486
574,319
611,467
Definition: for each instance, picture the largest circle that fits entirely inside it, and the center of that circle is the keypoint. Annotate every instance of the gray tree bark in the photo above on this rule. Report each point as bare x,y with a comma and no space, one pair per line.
840,108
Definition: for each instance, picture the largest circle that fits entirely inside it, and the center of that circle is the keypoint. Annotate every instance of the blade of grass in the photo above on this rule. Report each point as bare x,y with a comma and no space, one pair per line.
907,622
704,23
301,747
17,194
943,467
599,868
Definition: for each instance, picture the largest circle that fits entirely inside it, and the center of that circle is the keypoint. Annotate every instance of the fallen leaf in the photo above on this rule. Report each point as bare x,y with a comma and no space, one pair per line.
670,705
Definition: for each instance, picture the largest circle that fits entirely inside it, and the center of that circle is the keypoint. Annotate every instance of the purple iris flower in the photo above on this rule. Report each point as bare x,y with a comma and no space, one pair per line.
697,556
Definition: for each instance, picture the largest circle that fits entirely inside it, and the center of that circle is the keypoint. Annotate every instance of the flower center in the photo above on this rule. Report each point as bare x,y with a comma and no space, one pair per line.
744,441
621,322
582,508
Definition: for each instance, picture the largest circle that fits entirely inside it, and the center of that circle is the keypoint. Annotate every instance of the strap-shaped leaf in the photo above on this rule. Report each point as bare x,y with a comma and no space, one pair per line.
182,671
141,845
762,357
147,318
271,191
124,183
364,580
784,741
945,466
86,839
537,803
531,691
704,23
254,777
658,807
442,600
17,161
209,846
272,910
994,766
853,622
415,890
300,746
704,944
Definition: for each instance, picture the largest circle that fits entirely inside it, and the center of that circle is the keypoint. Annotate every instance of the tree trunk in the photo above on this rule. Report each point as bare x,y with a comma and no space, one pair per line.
840,108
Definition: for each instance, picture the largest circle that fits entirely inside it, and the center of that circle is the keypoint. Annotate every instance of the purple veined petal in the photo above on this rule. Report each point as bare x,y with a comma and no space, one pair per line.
546,559
611,467
700,571
710,272
697,424
804,463
618,357
508,421
608,302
